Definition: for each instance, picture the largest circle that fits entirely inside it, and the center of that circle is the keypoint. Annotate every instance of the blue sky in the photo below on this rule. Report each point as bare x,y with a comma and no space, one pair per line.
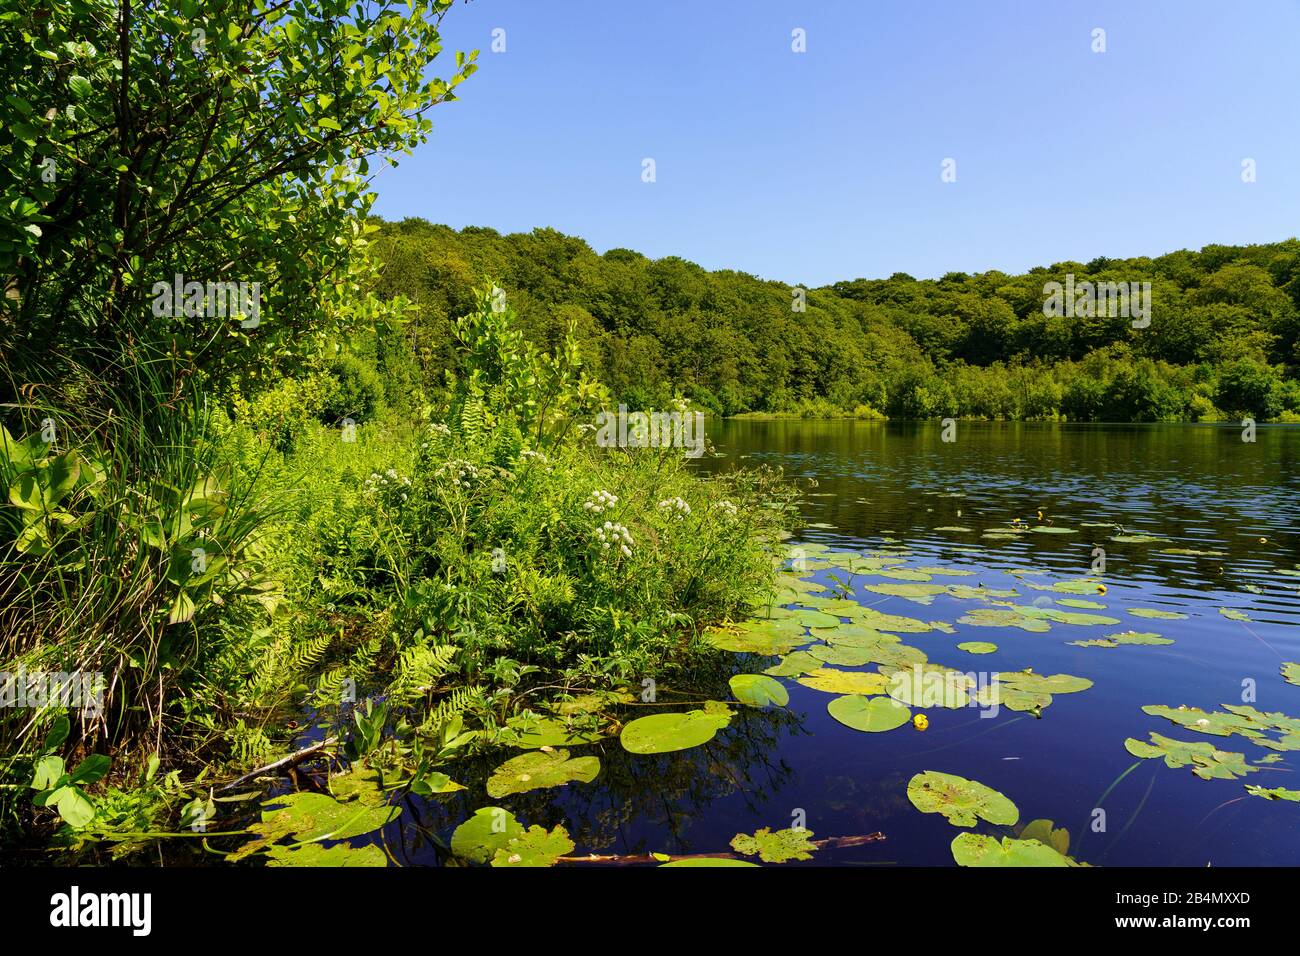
825,165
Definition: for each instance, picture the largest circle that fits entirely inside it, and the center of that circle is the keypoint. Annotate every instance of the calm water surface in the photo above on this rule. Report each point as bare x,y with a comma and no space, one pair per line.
1201,487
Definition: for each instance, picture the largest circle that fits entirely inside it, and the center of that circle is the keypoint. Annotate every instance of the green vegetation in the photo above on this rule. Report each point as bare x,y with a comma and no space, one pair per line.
293,514
1222,342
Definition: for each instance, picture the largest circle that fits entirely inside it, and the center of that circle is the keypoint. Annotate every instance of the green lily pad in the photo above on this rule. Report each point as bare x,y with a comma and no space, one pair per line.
1138,539
1126,637
794,664
870,617
929,685
539,770
854,635
977,647
769,638
869,714
314,854
488,830
664,733
959,800
842,655
1206,761
1079,603
758,690
977,849
1291,672
1233,614
308,817
952,527
1042,684
1052,529
534,847
997,617
1277,793
1058,838
965,592
554,732
918,593
833,681
946,572
1074,586
1065,617
1206,722
778,847
1157,613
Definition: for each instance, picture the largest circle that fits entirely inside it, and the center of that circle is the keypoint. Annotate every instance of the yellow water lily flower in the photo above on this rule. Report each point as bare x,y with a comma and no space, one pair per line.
920,721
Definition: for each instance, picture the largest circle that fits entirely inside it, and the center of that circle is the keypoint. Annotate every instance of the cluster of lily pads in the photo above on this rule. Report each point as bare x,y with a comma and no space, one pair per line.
823,639
1276,732
963,803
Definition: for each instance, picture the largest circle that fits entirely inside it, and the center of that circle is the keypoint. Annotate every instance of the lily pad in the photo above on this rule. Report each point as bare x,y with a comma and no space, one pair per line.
308,817
778,847
959,800
1291,672
794,664
929,685
977,647
554,732
870,617
664,733
539,770
1081,604
314,854
758,690
869,714
844,682
1277,793
977,849
919,593
1125,637
488,830
534,847
1206,761
1233,614
1156,612
997,617
843,655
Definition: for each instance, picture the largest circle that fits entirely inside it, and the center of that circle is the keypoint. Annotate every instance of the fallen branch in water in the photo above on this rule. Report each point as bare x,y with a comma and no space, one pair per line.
632,858
283,763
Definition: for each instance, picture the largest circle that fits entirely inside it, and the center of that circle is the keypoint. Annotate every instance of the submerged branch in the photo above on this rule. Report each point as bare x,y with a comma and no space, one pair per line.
624,859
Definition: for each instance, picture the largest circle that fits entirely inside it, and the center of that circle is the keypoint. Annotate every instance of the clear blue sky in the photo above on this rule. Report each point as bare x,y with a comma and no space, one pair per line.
825,165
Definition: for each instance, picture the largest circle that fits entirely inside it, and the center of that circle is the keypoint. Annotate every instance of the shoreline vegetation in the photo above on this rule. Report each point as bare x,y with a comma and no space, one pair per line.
1218,338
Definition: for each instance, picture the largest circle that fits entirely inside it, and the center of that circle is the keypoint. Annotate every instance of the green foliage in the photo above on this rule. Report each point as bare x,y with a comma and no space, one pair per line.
976,346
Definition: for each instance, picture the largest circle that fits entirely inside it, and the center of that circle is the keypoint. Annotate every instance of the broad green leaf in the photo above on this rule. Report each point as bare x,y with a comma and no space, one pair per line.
962,802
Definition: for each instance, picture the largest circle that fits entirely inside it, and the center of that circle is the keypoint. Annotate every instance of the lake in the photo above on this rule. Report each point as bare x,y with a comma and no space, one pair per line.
1206,522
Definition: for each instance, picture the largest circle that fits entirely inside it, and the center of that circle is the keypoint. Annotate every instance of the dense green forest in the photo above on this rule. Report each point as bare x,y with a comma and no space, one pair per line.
1221,342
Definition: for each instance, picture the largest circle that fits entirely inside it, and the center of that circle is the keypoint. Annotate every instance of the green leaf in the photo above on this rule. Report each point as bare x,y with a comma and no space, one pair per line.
976,849
81,87
534,847
314,854
91,769
75,807
959,800
758,690
664,733
488,830
778,847
869,714
539,770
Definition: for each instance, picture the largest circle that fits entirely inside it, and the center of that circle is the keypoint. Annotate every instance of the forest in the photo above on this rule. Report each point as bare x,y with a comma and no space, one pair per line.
1221,342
